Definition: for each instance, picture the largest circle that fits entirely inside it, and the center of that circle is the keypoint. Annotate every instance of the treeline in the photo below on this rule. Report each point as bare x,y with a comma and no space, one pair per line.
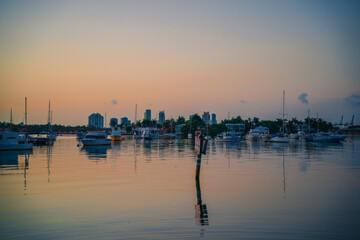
189,126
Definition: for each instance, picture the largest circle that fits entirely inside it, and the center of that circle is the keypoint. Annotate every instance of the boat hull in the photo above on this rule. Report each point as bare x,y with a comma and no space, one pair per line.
116,138
96,142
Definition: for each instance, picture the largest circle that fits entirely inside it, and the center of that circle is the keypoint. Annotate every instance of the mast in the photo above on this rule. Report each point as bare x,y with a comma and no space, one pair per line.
308,120
283,127
11,119
49,124
135,113
25,111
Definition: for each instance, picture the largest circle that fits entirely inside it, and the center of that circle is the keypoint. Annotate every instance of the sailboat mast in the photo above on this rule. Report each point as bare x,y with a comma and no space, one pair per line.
11,119
283,127
25,111
135,113
308,120
49,117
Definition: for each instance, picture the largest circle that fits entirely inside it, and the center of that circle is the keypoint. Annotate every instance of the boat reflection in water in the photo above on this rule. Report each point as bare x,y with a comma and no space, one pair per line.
96,153
10,159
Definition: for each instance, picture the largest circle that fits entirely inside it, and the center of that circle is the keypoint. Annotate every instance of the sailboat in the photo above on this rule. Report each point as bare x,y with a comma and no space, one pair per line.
282,138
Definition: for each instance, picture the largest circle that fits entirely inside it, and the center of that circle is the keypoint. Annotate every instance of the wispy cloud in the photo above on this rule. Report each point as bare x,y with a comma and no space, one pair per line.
303,98
353,99
112,102
243,101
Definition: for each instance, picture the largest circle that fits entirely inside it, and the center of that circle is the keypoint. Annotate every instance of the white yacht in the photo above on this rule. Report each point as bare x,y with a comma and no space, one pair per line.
227,137
96,138
10,141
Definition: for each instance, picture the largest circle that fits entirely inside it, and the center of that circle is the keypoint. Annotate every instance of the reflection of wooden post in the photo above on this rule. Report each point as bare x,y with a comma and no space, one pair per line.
201,213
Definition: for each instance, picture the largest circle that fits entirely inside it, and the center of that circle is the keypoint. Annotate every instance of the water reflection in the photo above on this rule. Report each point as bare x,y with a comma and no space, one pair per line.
96,153
10,159
201,213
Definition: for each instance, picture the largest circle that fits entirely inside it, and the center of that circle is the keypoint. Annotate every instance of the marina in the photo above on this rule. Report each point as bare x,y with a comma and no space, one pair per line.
147,189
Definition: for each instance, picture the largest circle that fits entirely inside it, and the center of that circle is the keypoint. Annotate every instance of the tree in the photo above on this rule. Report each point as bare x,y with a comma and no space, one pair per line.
128,129
192,125
112,123
180,120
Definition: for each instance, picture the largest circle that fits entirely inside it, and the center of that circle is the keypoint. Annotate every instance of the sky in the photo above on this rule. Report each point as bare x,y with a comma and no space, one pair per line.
184,57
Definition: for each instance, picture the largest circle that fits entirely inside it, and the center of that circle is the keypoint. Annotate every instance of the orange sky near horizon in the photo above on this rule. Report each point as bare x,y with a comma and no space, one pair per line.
175,57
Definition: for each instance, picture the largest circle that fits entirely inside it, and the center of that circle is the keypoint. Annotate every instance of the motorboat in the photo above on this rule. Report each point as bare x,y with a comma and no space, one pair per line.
96,138
80,135
266,137
116,135
10,141
227,137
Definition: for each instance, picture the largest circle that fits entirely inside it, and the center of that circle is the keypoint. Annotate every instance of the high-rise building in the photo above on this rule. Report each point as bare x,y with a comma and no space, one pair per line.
96,120
147,114
125,121
206,117
161,117
115,120
213,118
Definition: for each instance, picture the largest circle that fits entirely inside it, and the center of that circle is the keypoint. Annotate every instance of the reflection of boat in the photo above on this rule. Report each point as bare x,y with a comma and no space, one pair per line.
95,138
116,135
10,141
96,152
10,158
227,137
294,136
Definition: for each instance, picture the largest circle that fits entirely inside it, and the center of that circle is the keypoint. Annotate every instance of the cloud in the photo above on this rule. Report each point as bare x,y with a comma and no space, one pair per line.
112,102
353,99
302,98
243,101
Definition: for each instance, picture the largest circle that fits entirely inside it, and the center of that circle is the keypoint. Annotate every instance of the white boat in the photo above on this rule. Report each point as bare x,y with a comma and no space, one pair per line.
189,135
95,138
116,135
294,136
147,135
281,138
227,137
253,136
10,141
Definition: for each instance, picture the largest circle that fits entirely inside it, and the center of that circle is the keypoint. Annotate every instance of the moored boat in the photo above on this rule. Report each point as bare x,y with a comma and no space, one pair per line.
95,138
10,141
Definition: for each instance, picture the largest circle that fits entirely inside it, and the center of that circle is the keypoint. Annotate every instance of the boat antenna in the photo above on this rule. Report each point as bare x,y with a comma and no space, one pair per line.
25,111
283,128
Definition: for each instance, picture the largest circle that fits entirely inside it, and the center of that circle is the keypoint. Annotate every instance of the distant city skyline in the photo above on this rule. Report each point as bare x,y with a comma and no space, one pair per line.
183,57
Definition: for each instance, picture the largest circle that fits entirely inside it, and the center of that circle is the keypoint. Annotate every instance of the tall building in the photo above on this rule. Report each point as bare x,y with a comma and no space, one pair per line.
114,120
206,117
161,117
125,121
213,118
96,120
147,114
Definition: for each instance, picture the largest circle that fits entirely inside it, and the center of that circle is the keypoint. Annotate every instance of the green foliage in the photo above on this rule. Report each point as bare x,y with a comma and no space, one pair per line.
112,123
128,129
216,129
180,120
192,125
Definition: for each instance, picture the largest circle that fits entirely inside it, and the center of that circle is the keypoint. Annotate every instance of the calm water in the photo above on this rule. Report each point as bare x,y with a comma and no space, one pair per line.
147,190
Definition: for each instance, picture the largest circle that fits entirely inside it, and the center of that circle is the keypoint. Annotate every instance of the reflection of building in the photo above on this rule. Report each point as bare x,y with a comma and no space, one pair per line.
125,121
115,120
161,117
147,114
213,118
206,117
96,120
236,128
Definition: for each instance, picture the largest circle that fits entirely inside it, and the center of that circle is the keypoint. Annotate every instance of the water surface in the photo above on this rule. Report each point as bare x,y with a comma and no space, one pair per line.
147,190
